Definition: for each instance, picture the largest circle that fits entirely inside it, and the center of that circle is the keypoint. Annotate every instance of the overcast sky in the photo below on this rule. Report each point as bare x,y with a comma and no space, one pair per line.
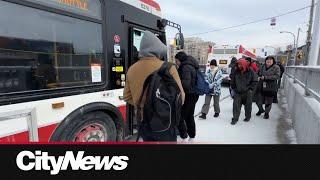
196,16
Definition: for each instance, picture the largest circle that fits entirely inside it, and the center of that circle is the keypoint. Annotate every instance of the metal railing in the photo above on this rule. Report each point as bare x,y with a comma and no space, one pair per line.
307,77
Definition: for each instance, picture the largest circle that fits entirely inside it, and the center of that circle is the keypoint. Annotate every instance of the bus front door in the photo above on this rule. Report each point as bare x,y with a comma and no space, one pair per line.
135,37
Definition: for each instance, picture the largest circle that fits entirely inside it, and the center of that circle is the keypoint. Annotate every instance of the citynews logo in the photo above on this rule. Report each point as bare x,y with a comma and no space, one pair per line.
39,161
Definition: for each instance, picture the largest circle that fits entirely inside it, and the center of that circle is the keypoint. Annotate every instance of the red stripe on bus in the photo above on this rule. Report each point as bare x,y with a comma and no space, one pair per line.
16,138
123,110
23,137
44,132
152,3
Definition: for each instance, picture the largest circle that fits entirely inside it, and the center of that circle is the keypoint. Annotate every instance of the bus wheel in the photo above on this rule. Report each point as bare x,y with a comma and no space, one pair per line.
92,127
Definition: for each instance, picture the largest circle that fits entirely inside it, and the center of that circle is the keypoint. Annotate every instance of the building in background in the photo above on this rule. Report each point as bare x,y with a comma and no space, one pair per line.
195,47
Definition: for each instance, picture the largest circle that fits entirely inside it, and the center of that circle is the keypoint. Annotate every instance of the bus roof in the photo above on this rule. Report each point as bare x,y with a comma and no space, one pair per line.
146,5
246,52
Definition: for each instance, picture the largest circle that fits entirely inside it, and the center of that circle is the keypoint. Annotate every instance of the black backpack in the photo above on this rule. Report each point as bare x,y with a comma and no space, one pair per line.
162,101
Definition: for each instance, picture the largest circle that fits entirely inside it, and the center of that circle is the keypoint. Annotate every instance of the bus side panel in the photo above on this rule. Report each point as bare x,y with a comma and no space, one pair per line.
119,16
45,133
16,138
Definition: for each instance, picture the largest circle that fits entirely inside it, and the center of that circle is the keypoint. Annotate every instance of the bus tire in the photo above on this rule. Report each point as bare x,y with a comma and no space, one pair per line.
95,126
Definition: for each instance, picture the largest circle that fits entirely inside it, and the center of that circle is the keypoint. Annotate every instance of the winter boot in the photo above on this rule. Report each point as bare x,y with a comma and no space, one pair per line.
216,115
203,116
260,112
247,119
266,116
234,121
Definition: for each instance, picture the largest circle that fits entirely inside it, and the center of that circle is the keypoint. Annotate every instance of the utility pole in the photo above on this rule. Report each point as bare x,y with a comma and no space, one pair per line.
294,50
308,43
297,46
315,45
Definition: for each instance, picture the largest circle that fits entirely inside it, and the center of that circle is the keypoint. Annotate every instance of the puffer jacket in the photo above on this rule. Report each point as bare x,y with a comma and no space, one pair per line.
215,81
243,81
270,74
188,74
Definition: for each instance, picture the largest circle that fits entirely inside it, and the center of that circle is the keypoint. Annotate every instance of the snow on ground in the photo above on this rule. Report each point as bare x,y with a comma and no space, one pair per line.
224,93
286,117
220,131
276,130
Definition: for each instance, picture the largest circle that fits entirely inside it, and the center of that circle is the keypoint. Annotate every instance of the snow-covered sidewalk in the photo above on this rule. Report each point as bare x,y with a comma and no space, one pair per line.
276,130
257,131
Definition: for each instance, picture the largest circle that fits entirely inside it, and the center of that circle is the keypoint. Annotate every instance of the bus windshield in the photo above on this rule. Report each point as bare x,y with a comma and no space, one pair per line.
225,51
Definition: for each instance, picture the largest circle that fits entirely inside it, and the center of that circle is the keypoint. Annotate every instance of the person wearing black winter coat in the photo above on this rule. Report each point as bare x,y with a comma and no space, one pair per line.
243,82
188,67
233,66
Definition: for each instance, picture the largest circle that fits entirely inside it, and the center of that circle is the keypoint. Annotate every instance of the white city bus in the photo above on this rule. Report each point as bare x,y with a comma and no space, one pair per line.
223,55
63,66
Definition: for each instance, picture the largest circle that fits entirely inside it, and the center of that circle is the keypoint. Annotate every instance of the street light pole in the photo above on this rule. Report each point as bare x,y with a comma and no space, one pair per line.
297,46
294,43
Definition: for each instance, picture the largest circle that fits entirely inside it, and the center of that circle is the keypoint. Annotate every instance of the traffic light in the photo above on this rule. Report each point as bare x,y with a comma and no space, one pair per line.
266,54
300,55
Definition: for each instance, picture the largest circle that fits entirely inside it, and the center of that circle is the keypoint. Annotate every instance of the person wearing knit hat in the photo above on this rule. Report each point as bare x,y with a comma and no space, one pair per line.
214,77
213,62
243,81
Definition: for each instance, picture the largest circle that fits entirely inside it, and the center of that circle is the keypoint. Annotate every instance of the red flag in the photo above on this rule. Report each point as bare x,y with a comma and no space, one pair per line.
210,49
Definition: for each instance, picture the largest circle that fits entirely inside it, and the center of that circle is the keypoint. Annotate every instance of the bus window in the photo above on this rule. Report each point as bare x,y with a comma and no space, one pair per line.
136,39
224,62
89,8
41,50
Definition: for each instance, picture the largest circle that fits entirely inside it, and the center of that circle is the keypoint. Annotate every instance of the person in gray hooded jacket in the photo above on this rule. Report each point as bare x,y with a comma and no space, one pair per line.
152,50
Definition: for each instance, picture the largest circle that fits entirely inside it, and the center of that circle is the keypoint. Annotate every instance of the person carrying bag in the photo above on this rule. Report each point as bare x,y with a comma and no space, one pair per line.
214,78
268,78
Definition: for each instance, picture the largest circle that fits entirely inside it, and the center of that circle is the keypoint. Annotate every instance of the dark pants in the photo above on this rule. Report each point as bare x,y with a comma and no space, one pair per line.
279,84
242,99
207,102
261,99
149,136
187,113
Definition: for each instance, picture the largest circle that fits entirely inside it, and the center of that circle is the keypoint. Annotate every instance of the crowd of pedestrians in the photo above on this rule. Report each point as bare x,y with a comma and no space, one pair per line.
165,95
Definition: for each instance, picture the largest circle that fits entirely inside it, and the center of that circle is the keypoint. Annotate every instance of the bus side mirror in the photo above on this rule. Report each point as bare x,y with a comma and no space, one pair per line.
179,41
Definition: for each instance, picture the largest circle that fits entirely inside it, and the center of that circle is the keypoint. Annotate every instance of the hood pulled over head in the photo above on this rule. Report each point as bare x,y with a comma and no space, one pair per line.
244,64
151,46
